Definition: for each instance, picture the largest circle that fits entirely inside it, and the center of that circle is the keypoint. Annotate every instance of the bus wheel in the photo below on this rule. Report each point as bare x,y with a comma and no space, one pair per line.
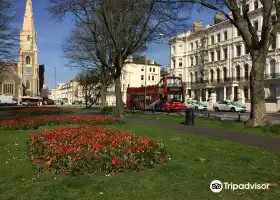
134,107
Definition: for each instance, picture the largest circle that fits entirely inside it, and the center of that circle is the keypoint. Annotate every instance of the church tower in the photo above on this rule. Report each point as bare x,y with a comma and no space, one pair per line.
28,62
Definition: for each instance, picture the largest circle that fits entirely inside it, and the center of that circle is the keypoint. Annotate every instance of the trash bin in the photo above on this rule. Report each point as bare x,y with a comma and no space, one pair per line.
189,117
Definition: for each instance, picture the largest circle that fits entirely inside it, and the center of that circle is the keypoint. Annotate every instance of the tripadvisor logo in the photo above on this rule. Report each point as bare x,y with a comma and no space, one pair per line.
217,186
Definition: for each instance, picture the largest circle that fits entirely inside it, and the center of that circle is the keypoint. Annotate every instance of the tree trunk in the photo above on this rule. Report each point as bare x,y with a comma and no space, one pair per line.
118,92
103,91
258,110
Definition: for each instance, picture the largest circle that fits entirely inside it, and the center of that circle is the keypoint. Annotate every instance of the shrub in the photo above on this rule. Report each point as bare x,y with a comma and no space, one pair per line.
90,149
28,123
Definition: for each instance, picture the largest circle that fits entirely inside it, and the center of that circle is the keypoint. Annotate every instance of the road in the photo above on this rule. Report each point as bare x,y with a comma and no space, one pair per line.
273,118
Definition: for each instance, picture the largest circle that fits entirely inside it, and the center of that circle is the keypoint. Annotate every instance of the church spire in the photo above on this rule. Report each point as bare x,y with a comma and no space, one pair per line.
28,22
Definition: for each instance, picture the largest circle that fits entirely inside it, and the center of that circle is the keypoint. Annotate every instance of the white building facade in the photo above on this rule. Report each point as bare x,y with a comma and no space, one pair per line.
70,91
224,66
137,72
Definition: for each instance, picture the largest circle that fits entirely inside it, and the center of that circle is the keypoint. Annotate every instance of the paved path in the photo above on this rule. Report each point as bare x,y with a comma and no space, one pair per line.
266,142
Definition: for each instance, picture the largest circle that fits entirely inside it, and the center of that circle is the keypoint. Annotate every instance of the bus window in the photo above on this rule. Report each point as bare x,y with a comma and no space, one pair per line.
175,97
174,82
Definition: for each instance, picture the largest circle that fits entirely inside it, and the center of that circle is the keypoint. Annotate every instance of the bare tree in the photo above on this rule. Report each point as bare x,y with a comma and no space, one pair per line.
90,86
80,50
123,26
8,34
256,44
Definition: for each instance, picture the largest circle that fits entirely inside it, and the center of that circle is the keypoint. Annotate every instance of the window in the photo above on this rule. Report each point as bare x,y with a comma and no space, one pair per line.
27,60
219,55
225,73
173,49
237,33
8,86
180,62
225,35
149,78
212,75
191,77
181,47
27,85
238,50
256,24
191,46
196,60
212,39
246,71
142,69
238,73
153,78
247,8
256,4
212,56
273,43
196,44
142,85
154,69
142,77
196,76
272,68
218,37
218,75
246,50
28,38
191,61
174,63
273,20
150,69
225,53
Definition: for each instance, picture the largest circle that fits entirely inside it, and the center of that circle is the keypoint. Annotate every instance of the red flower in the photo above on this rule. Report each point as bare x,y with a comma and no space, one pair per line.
114,161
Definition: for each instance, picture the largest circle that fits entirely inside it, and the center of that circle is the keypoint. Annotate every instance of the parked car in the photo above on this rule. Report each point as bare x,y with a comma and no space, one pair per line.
77,102
229,106
48,102
197,105
8,100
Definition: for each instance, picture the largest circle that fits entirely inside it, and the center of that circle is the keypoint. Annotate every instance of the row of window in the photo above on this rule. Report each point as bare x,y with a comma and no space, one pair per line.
200,76
149,78
225,76
194,60
154,69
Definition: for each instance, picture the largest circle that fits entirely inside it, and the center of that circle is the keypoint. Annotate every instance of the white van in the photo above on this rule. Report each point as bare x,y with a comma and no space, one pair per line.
8,100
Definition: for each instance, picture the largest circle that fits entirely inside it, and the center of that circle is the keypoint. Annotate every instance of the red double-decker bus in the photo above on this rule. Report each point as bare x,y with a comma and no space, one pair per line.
167,95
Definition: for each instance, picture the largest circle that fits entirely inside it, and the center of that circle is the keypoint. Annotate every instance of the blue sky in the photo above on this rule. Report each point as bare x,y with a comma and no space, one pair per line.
51,34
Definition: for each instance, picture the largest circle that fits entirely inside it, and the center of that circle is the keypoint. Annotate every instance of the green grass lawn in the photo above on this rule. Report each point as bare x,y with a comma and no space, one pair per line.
229,125
196,161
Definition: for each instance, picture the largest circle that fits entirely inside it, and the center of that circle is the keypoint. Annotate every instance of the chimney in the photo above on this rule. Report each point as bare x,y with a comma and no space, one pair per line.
197,26
218,18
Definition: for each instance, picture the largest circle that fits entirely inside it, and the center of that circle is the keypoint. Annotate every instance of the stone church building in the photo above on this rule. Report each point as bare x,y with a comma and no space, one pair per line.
22,78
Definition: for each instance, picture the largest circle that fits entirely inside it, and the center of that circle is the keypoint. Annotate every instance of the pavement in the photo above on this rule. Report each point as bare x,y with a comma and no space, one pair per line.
265,142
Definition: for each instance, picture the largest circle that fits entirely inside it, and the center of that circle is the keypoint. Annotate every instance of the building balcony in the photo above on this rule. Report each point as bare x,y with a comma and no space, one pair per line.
238,79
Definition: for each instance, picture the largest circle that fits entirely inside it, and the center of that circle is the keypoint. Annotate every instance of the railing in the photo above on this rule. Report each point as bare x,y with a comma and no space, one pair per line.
231,79
219,80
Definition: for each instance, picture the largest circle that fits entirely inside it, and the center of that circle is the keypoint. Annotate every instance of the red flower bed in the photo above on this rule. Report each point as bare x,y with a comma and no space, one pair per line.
28,123
90,149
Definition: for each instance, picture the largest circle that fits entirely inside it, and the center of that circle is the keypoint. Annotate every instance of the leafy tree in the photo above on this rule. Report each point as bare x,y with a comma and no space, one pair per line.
124,27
